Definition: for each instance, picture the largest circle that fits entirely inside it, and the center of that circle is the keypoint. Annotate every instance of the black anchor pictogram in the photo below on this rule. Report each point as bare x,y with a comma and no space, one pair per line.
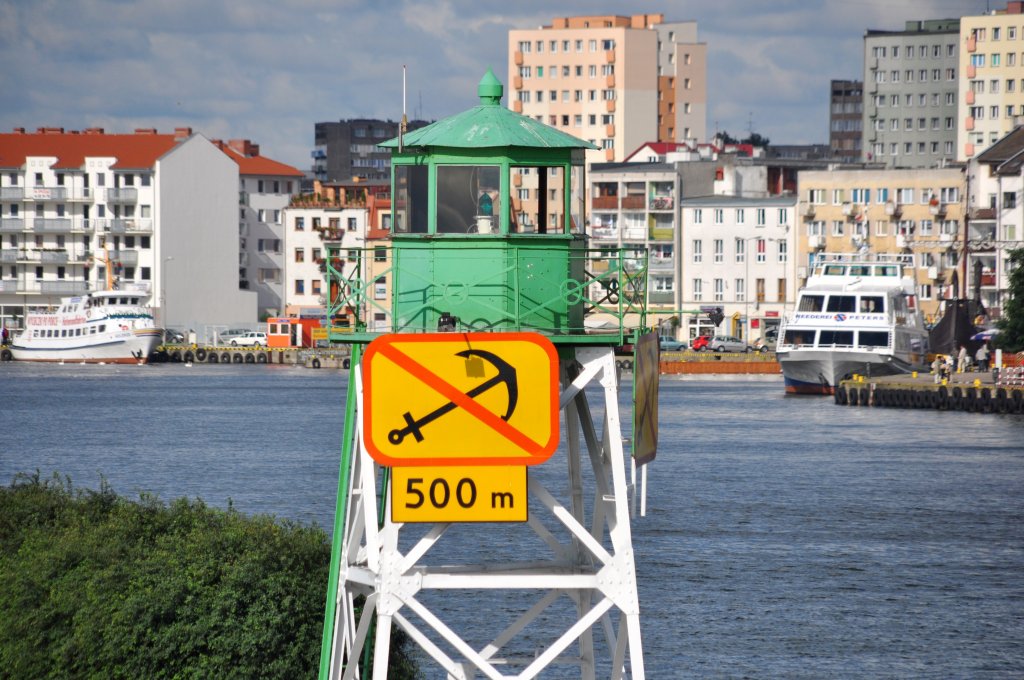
506,374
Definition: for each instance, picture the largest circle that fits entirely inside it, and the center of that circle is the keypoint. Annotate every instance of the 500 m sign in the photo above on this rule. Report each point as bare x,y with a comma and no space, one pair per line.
459,494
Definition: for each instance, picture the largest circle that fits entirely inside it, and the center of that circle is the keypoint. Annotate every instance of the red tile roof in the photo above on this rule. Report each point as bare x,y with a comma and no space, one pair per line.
72,148
132,151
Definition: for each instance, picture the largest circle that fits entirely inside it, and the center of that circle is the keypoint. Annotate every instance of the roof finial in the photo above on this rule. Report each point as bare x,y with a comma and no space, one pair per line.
490,89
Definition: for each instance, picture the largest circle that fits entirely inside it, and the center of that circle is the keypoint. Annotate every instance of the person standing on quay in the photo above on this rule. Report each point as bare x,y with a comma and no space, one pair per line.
961,359
981,357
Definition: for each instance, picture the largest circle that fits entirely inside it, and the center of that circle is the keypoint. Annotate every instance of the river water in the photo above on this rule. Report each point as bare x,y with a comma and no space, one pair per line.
785,536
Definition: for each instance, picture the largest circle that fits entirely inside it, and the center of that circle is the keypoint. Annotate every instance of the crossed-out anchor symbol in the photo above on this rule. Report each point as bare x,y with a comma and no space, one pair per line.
506,374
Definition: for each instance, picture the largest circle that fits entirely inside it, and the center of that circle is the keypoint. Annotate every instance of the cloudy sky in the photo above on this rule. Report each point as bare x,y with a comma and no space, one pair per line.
267,70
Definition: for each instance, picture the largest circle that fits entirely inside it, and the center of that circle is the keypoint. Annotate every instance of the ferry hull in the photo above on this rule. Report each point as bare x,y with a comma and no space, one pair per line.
134,349
819,371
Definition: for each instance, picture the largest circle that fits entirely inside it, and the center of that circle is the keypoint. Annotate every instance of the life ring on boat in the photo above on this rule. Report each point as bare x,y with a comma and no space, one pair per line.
213,358
1002,404
6,355
315,363
250,359
942,398
238,358
200,355
225,358
261,358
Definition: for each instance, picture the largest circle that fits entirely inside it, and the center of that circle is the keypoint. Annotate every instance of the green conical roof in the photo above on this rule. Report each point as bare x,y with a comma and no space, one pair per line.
489,125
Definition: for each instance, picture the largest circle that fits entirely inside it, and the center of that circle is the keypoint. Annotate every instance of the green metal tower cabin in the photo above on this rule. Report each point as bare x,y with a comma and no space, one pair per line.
465,256
466,264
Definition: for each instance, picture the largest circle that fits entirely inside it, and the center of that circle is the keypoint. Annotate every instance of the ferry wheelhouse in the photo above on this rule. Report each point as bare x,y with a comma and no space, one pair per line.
856,315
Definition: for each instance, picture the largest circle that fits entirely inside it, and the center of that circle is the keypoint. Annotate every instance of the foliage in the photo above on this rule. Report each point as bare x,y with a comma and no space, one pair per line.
1011,323
754,139
96,586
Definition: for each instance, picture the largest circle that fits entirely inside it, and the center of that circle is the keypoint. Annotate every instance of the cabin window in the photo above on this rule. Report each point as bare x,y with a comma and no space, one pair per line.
842,303
840,338
835,270
811,303
872,304
860,270
410,209
798,338
468,199
874,338
886,270
103,328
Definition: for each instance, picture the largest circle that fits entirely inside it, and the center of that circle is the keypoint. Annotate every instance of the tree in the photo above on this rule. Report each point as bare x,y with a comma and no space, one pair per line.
95,586
1011,324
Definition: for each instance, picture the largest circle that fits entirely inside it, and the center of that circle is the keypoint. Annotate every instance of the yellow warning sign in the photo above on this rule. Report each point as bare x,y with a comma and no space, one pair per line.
460,399
493,493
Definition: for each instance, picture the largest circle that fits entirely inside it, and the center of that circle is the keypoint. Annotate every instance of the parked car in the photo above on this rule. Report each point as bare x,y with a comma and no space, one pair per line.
250,339
767,342
225,337
727,343
670,344
700,343
173,337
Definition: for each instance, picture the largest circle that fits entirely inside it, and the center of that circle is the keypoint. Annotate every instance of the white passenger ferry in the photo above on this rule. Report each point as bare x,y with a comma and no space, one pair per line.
110,326
856,315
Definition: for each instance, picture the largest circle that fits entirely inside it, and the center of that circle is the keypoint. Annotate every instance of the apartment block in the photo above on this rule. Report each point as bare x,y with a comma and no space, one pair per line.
918,213
158,212
348,148
737,254
615,81
911,83
996,224
992,93
846,119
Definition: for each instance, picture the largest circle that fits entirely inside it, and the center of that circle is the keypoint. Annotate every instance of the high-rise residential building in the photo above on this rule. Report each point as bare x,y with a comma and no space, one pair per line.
911,82
348,149
159,210
991,57
616,81
846,119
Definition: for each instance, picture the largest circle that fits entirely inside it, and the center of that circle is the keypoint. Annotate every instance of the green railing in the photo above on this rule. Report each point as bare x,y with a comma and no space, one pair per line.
577,295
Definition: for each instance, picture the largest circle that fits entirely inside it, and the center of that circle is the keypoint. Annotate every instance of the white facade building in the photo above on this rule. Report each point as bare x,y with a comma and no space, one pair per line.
737,254
311,232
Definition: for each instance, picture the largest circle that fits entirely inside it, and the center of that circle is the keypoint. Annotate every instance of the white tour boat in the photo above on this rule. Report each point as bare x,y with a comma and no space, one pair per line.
110,326
857,315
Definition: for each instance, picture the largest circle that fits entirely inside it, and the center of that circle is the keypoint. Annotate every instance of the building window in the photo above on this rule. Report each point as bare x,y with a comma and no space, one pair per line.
698,289
719,290
761,246
698,255
300,254
719,246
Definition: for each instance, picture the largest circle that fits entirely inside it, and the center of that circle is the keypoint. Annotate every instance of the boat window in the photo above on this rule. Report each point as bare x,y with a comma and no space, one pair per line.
874,338
872,304
835,270
842,303
886,270
860,270
78,332
64,333
410,207
811,303
841,338
103,327
799,338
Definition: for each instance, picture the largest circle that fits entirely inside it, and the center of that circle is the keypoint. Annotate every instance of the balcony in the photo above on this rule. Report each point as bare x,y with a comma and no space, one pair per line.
972,71
807,210
8,256
517,82
600,232
11,225
609,56
47,194
972,44
816,242
517,106
662,203
52,224
123,195
893,209
969,123
662,263
609,105
633,202
969,97
517,58
8,286
53,257
63,287
660,297
120,225
11,193
609,80
128,258
605,203
938,209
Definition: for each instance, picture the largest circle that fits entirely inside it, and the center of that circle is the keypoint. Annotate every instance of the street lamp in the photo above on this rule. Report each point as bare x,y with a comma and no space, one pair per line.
163,290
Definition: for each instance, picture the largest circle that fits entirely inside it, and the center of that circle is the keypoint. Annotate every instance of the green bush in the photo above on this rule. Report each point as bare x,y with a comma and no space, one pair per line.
96,586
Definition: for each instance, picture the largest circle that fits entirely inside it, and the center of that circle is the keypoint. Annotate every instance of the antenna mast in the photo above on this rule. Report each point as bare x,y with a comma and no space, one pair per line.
403,126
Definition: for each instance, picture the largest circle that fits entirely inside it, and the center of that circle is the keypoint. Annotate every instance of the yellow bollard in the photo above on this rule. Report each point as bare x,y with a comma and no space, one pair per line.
913,374
977,382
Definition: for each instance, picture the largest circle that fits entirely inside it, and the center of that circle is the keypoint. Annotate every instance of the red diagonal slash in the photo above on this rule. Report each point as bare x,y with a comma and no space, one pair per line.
456,396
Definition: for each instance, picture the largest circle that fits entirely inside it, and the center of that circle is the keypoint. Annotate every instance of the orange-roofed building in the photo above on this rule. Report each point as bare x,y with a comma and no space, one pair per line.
148,212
